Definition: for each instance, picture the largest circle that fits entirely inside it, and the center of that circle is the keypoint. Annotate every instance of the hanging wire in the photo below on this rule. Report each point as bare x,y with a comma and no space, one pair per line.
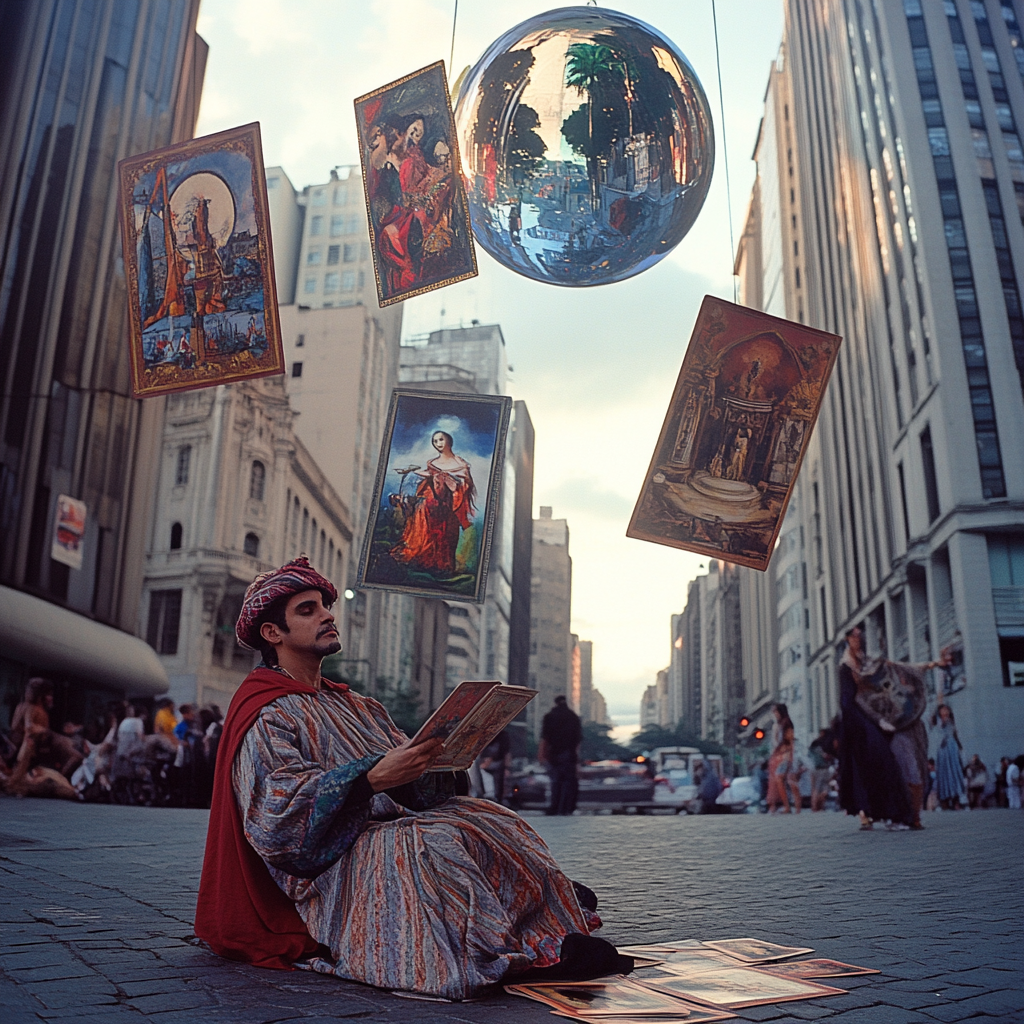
451,55
725,155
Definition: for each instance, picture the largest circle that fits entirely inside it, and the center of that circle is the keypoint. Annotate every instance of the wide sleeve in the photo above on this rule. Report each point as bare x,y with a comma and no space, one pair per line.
298,816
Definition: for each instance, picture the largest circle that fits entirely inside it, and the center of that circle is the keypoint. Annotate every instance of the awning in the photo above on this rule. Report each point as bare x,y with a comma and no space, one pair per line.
52,639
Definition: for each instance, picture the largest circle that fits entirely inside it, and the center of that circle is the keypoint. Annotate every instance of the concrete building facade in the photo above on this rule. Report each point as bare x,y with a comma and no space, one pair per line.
892,185
550,610
238,494
82,85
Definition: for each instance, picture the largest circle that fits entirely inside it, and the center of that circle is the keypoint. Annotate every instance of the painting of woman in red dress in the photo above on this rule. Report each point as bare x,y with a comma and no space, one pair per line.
435,498
444,507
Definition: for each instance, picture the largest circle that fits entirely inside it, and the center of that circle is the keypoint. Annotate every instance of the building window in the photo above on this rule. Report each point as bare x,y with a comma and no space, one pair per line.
459,652
350,252
903,502
931,487
296,369
310,286
273,183
313,257
316,225
257,478
461,613
175,536
319,197
164,621
340,195
337,224
333,253
331,281
348,281
362,280
182,467
300,341
251,545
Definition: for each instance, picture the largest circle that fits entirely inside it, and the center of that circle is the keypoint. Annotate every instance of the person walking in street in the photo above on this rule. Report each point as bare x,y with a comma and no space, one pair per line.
560,738
976,775
165,721
822,753
1013,783
949,770
496,759
330,843
781,755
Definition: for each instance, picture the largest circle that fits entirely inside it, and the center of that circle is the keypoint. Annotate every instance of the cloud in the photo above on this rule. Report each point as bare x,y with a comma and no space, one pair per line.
586,494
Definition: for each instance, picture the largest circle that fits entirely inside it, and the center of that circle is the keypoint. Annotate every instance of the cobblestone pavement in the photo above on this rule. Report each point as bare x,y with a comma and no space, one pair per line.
96,905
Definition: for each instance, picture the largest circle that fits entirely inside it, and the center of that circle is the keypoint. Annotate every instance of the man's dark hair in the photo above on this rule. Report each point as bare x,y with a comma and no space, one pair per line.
274,612
37,689
560,699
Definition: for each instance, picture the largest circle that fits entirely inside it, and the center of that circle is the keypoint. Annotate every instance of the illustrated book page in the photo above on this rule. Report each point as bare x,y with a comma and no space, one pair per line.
606,997
756,951
471,716
738,987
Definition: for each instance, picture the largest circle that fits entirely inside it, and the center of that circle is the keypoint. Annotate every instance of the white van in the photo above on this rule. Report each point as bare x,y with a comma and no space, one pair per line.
673,781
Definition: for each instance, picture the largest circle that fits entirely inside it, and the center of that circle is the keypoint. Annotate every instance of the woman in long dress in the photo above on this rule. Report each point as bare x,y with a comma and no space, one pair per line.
444,507
870,783
949,770
780,758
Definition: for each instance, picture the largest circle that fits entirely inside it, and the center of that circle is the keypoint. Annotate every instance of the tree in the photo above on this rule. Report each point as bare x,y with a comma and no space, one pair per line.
587,66
525,148
597,745
680,735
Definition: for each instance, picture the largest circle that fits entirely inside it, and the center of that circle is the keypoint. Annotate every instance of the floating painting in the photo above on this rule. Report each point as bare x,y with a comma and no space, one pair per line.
741,415
202,303
68,531
415,196
436,495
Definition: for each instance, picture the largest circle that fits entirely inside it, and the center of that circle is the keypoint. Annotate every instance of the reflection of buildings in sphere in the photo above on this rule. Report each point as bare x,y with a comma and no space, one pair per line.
587,147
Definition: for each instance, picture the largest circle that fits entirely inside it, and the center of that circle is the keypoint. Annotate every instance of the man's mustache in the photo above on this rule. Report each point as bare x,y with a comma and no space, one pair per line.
324,630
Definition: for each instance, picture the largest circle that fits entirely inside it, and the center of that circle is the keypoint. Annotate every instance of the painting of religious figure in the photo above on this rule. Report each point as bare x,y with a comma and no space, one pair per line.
435,499
415,196
195,230
741,415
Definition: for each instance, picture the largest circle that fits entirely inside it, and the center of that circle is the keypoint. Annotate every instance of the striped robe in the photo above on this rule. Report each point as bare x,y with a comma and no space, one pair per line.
418,889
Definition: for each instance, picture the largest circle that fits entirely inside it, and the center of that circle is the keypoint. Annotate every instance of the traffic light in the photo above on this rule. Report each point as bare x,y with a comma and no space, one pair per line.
759,734
744,721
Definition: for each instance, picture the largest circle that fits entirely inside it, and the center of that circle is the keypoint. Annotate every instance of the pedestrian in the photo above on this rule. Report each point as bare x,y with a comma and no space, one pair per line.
870,785
1014,777
976,775
781,754
1000,792
560,738
709,786
496,759
165,721
949,770
931,797
330,843
37,745
822,754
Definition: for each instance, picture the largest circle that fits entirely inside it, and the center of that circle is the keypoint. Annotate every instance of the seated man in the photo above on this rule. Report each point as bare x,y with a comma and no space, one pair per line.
42,753
328,843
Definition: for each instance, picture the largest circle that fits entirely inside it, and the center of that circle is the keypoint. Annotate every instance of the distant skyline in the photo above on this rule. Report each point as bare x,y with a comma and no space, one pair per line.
596,366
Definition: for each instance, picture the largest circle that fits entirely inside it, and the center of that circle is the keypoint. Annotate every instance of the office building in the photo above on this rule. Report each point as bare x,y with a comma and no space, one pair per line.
550,607
286,217
82,85
889,203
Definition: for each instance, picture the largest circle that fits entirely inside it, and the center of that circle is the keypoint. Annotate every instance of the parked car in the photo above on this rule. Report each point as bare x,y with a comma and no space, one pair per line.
740,794
610,785
674,785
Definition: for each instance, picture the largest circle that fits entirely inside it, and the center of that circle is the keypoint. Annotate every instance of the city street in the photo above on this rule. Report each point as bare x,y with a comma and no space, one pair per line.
97,906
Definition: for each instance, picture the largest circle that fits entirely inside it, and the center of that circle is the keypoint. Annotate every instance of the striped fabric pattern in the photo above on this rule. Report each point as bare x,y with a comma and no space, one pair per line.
441,896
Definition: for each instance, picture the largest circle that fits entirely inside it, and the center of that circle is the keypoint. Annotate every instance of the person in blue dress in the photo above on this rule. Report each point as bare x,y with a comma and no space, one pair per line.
949,770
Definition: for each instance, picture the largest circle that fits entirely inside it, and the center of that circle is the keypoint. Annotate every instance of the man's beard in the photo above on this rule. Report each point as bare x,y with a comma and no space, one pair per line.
325,647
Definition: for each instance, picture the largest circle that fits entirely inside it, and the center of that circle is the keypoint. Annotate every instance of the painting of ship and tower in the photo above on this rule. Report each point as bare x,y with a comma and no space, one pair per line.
198,260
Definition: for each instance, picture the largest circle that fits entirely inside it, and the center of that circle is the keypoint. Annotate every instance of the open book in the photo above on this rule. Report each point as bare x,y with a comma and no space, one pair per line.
470,717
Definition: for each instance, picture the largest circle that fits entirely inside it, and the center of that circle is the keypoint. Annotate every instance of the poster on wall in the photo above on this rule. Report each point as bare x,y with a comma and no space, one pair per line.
195,229
68,531
416,206
741,415
435,498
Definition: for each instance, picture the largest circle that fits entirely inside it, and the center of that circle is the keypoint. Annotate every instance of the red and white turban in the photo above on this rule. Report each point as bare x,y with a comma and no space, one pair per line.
292,578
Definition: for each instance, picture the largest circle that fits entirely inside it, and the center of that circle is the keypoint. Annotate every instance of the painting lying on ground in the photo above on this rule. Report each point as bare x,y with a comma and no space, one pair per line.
436,494
415,197
741,415
195,229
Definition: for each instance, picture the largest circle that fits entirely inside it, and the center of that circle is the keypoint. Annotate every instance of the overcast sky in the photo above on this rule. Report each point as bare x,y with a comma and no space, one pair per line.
596,366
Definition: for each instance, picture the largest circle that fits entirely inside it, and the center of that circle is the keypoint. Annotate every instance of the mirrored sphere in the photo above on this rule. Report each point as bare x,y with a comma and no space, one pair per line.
587,147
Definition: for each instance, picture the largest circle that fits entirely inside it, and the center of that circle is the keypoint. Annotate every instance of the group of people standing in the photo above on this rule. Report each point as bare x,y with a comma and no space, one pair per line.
114,757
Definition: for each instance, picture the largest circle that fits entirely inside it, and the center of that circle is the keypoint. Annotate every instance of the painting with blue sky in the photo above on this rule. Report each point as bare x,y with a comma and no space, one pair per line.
436,494
196,238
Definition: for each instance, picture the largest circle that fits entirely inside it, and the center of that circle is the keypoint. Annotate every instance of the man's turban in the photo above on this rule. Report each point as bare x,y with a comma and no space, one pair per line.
292,578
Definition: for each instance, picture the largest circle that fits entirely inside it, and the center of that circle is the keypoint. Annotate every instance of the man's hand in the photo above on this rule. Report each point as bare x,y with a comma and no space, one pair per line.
403,764
886,726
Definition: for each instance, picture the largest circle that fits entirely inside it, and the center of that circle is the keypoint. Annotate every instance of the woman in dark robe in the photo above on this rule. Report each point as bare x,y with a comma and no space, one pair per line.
870,784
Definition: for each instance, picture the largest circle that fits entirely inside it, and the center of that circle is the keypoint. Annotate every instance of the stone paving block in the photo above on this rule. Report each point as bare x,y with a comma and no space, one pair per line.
54,972
41,955
995,1002
881,1015
189,1000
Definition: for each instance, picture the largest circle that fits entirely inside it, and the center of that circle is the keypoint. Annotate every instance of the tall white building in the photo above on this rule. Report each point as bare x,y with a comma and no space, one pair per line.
889,210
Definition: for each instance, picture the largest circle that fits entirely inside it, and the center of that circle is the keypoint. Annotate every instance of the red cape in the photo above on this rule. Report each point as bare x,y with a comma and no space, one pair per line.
241,913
